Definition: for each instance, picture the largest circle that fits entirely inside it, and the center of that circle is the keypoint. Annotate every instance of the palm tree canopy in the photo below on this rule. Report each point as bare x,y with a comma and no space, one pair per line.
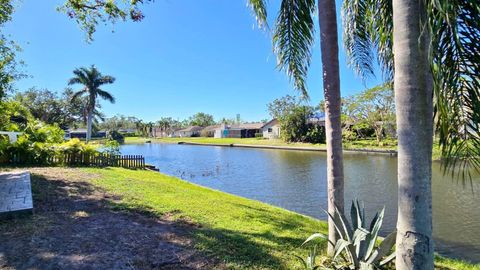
454,28
293,37
92,79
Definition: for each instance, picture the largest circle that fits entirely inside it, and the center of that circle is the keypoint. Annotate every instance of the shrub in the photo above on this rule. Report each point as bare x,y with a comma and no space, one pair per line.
37,131
348,135
258,135
315,134
357,246
111,147
116,136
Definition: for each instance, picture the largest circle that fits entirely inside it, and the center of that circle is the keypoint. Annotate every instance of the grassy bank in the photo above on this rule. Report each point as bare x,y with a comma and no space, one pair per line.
360,144
243,233
367,144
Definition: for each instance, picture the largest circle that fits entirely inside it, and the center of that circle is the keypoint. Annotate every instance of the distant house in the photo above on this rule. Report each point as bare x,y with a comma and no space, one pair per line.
248,130
163,133
271,129
127,131
209,131
191,131
81,133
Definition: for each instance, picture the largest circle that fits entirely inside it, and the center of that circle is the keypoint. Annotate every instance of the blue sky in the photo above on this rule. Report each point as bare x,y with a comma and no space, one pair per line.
186,56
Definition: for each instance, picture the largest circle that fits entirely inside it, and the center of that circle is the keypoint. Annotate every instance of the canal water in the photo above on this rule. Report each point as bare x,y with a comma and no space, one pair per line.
296,180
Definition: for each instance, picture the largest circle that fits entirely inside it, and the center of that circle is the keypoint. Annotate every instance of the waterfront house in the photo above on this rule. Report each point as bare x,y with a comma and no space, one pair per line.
246,130
209,131
191,131
271,129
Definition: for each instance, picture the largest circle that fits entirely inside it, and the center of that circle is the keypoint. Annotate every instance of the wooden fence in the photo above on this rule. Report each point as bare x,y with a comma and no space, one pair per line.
86,159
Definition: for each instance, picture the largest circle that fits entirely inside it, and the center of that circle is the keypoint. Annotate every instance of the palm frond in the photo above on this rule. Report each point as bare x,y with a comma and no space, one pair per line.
259,8
456,72
78,94
105,95
293,40
105,80
368,36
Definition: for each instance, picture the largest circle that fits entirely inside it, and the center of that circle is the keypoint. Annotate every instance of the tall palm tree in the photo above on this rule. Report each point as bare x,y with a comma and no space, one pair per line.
431,50
293,40
92,80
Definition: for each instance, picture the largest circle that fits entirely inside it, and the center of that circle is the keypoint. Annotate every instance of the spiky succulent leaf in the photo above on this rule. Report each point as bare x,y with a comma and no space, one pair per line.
383,249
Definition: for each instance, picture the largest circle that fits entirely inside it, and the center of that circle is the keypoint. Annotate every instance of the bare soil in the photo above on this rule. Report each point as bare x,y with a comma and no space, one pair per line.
73,227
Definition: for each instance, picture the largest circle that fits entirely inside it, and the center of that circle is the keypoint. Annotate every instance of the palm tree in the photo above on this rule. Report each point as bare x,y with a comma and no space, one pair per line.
293,39
431,50
92,80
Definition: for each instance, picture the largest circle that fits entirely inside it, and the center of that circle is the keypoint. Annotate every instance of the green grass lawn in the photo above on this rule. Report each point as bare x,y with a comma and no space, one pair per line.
243,233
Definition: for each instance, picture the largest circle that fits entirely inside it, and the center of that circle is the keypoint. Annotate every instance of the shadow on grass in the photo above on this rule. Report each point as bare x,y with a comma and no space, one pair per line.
76,225
74,228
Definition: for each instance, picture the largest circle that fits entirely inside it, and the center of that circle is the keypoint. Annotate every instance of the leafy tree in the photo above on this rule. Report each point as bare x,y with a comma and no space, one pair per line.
88,13
431,50
377,109
9,66
44,105
92,79
201,119
283,106
119,122
14,116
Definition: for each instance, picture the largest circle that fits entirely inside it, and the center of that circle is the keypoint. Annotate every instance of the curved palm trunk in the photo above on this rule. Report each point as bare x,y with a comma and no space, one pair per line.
413,97
333,126
89,125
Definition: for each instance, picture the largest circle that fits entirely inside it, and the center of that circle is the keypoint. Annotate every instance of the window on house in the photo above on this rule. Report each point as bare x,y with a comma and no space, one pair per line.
270,130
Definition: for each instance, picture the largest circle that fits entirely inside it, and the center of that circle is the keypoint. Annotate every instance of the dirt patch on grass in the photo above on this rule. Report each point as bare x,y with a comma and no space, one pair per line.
74,228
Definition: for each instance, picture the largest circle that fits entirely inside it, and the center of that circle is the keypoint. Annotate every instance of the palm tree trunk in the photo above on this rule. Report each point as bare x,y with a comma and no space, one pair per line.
89,125
333,126
414,109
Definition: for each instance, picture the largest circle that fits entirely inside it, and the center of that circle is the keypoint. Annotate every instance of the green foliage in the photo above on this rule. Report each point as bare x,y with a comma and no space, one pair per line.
283,106
296,128
116,136
349,135
357,246
315,134
111,147
89,13
454,29
371,112
119,122
201,119
40,132
9,66
51,108
13,116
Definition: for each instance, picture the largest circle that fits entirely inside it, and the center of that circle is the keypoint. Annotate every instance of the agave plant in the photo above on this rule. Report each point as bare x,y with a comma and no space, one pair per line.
357,246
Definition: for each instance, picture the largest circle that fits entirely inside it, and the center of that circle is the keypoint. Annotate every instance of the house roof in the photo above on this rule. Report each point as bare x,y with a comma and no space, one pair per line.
211,128
191,129
251,126
272,122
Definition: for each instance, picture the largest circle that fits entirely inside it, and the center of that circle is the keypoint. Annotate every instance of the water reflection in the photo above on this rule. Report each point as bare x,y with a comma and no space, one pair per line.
296,180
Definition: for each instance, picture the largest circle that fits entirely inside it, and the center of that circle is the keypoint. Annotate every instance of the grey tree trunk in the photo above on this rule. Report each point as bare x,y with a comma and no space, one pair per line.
89,125
414,109
333,126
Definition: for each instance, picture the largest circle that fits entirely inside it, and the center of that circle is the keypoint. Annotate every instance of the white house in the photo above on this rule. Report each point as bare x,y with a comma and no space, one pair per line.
271,129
